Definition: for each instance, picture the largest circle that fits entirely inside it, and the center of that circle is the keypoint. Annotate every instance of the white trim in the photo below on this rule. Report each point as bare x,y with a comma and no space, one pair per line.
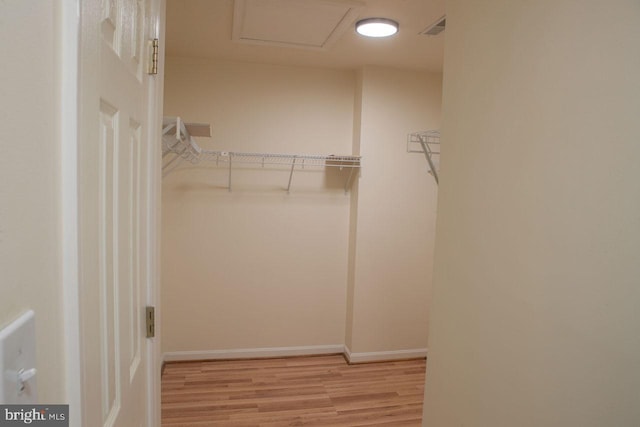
252,353
69,31
380,356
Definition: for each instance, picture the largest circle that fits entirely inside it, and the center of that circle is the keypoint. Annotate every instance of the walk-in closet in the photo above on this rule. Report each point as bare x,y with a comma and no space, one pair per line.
299,182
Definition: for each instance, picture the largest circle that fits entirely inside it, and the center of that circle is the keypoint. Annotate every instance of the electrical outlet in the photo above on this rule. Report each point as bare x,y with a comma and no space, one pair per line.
18,361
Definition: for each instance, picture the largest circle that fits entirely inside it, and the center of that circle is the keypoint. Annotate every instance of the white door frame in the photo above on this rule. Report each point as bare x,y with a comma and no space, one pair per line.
69,43
69,111
156,103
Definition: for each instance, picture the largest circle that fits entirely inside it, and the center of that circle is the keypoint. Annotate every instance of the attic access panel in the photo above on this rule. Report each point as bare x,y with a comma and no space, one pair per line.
307,24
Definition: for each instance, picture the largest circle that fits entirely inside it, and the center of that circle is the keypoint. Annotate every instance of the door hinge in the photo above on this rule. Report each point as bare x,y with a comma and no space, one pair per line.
154,46
151,322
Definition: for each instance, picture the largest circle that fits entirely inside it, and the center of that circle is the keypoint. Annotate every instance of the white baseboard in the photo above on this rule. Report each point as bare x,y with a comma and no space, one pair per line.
380,356
256,353
252,353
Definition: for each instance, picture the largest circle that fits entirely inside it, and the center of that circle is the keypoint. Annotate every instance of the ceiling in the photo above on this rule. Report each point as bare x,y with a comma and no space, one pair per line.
304,32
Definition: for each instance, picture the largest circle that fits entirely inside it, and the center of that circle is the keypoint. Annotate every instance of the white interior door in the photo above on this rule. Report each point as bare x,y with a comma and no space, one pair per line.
115,176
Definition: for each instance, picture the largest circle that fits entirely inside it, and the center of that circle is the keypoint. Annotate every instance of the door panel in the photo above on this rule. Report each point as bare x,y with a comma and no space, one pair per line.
135,221
107,267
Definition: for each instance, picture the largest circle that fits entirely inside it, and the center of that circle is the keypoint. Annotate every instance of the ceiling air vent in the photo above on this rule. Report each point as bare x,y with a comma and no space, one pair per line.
435,28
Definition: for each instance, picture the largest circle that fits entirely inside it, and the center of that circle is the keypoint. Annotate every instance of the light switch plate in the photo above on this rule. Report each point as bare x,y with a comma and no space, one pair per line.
18,354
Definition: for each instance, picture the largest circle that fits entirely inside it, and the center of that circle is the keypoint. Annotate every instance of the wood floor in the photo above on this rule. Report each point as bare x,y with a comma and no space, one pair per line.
310,391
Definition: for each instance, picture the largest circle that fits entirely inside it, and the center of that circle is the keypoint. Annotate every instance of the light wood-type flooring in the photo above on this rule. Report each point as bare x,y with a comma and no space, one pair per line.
310,391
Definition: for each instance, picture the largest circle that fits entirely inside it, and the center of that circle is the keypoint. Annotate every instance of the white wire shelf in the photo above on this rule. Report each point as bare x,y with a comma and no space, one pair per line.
177,141
428,143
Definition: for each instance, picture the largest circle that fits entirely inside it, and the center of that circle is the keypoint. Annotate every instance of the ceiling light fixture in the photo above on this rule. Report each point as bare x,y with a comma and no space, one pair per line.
377,27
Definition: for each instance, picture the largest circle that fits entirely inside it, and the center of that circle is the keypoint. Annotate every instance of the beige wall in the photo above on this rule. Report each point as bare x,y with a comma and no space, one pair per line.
535,320
30,251
256,267
392,249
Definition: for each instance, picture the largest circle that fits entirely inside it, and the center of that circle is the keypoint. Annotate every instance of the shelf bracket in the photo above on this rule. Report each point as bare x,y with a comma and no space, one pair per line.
348,183
230,158
427,154
429,142
293,165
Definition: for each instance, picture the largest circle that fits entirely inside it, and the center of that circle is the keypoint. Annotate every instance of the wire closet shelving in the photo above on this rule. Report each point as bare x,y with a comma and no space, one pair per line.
428,143
178,141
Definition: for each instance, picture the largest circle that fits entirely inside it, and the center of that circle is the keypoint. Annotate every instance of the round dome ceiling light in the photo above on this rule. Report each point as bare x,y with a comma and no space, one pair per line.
377,27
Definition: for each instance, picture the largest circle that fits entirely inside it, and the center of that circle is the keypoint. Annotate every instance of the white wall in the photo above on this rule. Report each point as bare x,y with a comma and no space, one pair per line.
394,226
535,320
256,267
30,252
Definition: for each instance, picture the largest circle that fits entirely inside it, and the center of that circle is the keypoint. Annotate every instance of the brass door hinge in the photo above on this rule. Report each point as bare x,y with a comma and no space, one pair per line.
154,46
151,322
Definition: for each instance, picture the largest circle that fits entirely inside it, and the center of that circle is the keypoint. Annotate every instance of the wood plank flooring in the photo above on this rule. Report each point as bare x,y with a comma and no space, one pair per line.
311,391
